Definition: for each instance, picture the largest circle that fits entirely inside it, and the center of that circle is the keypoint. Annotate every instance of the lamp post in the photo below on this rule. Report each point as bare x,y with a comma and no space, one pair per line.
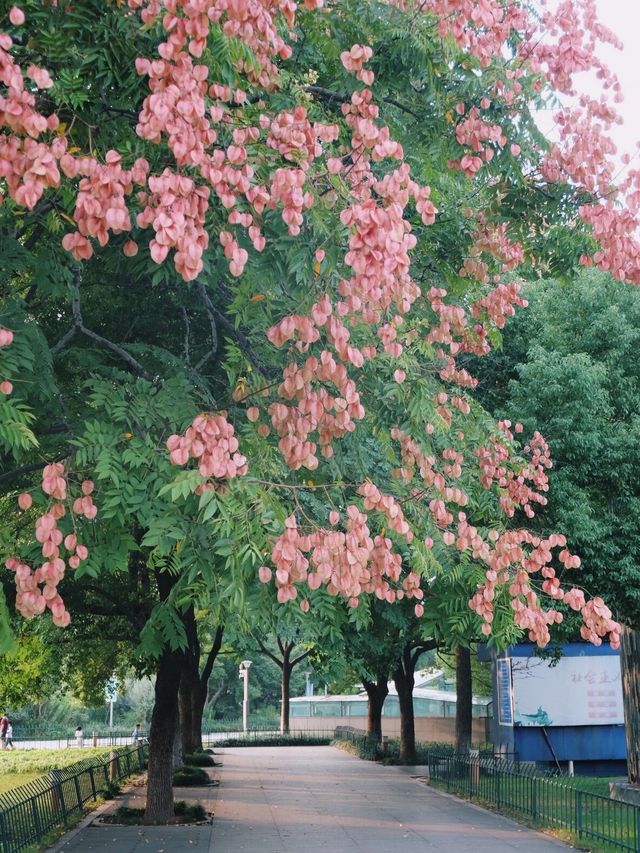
308,690
243,673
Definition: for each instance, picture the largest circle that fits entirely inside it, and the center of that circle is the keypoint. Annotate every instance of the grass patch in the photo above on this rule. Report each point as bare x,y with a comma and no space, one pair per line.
14,780
191,813
40,761
110,790
19,767
56,834
562,806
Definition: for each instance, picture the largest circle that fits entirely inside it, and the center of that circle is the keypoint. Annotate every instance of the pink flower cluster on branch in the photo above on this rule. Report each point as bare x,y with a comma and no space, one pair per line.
513,561
517,492
210,440
37,589
347,563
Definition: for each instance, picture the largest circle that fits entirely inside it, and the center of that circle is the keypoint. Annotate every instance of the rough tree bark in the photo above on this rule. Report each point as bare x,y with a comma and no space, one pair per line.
630,670
194,684
164,720
404,680
178,752
377,692
464,704
285,689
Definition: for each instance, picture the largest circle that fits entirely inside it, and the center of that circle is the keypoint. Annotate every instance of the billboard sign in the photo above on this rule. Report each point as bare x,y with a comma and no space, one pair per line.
583,690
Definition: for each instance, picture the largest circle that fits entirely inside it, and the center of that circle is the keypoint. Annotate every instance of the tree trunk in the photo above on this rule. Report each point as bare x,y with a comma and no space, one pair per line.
404,681
164,721
285,683
177,758
197,711
191,702
194,685
464,704
377,692
630,671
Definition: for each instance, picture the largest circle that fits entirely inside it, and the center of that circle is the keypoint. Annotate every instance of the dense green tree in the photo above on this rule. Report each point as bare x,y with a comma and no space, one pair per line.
288,186
568,367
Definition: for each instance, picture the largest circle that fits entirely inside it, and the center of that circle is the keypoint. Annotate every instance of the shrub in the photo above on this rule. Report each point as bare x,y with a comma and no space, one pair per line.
193,812
110,790
189,775
200,759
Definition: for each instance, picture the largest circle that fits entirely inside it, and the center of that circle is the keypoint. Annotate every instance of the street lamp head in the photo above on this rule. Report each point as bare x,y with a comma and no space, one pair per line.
246,664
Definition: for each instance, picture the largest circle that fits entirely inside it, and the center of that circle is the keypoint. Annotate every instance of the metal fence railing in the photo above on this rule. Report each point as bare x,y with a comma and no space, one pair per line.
369,746
546,801
31,811
93,739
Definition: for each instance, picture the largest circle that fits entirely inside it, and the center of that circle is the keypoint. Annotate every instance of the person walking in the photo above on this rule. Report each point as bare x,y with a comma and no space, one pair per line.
4,725
136,733
9,736
79,736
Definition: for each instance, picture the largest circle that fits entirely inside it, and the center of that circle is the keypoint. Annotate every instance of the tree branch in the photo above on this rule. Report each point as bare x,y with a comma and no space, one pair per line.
265,651
421,649
211,657
79,326
300,657
186,335
329,95
34,466
208,304
245,345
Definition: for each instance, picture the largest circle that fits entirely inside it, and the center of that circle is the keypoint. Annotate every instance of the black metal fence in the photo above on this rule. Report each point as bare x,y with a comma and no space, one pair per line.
31,811
368,746
550,802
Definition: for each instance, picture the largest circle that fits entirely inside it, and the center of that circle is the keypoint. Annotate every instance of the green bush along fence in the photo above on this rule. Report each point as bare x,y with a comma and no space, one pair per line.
257,737
550,802
31,811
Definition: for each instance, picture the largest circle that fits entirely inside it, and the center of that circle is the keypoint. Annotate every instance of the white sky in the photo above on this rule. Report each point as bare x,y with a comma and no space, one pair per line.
623,17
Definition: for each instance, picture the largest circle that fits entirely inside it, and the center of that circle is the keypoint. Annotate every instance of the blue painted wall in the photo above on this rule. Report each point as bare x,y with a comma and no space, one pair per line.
570,743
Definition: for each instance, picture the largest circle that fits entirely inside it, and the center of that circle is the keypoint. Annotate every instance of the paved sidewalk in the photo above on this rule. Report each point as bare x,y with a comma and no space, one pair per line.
312,799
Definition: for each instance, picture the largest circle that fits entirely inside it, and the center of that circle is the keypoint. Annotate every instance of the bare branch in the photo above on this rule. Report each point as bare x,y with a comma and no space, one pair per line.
265,651
300,657
80,327
208,304
244,344
329,95
64,340
33,466
186,335
211,657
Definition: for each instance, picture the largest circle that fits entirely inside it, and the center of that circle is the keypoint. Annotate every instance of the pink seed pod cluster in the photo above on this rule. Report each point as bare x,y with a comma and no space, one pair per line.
37,588
210,440
348,563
